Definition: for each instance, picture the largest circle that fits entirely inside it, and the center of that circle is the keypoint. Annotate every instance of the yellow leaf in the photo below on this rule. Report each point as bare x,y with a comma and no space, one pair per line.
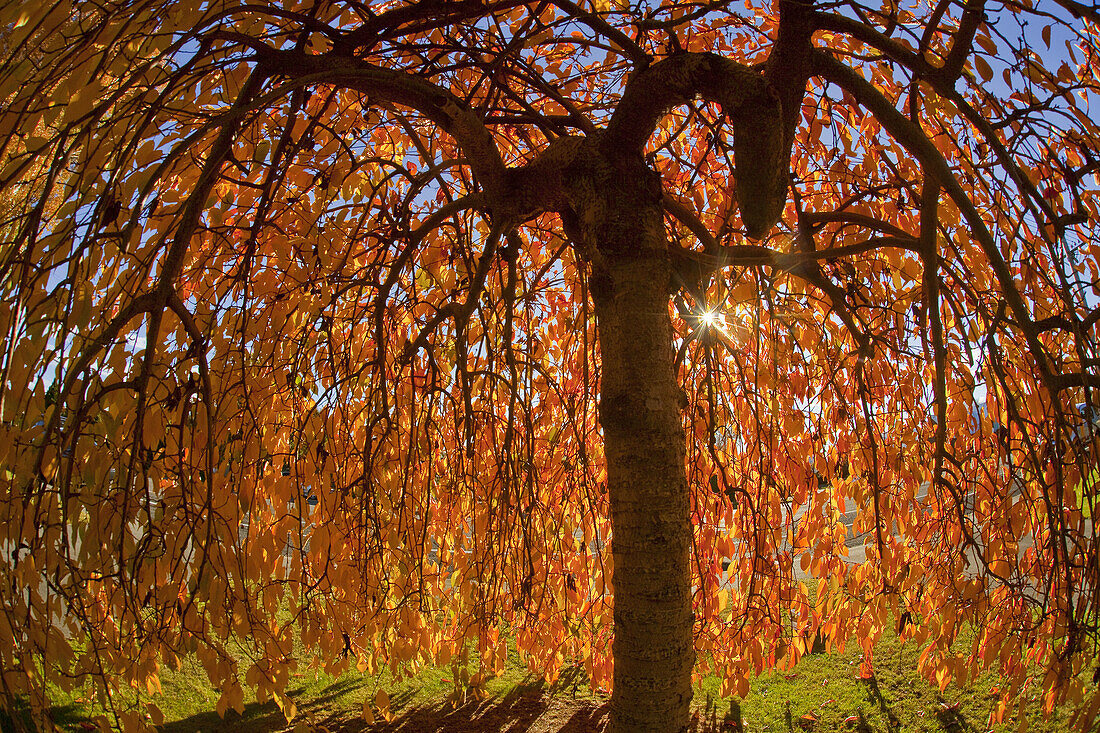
222,705
155,714
983,70
287,706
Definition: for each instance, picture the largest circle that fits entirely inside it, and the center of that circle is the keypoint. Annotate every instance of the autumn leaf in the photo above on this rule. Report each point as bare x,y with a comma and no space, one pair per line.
332,339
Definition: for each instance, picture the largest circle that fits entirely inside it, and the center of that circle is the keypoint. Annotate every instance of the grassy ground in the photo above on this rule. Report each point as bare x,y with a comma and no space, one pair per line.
821,694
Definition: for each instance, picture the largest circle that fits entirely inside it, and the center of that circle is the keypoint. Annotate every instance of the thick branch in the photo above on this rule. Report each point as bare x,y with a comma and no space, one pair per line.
755,255
419,17
761,157
963,42
636,53
1080,10
1075,379
676,80
406,90
788,65
850,217
687,217
764,109
929,234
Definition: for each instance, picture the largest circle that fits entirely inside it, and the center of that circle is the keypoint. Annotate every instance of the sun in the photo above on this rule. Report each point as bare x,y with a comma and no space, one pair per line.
714,321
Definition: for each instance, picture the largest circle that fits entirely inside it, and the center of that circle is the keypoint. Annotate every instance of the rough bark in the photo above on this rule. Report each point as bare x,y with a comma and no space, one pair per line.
644,443
619,212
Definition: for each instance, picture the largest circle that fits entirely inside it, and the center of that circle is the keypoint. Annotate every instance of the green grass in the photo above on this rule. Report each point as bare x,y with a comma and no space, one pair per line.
822,685
825,686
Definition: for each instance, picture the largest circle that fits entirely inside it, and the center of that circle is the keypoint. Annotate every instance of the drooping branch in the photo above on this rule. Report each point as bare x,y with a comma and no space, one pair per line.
924,150
460,312
153,302
944,86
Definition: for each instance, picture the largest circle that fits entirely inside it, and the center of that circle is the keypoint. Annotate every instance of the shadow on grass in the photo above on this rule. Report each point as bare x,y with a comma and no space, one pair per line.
517,710
256,717
265,717
951,720
873,691
708,720
63,716
861,725
529,705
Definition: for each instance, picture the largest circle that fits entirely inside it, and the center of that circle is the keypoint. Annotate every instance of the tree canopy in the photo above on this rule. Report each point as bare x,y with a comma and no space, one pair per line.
390,329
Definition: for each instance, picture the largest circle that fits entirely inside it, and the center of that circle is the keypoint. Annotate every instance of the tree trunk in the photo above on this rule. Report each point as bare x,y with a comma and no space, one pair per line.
640,404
